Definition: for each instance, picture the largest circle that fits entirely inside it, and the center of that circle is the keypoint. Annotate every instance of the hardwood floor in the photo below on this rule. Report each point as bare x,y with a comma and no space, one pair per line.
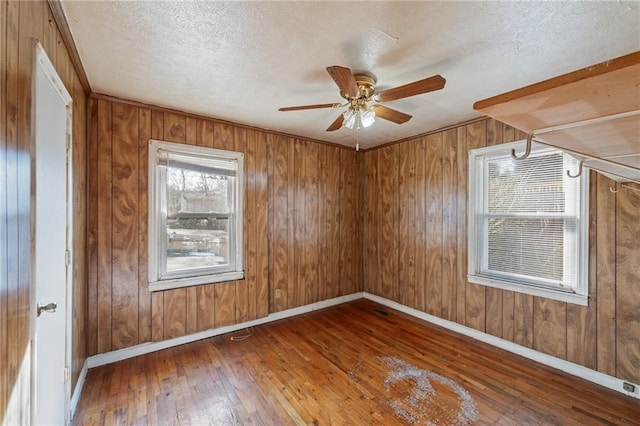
356,363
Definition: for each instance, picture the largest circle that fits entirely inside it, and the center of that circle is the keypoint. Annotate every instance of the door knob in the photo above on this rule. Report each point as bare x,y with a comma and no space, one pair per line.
50,308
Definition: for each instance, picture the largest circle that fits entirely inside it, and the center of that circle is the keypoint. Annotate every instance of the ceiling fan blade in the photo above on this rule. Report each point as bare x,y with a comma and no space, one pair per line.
296,108
336,124
390,114
345,81
411,89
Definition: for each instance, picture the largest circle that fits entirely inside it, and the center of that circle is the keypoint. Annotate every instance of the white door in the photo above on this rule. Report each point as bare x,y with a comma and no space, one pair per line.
51,273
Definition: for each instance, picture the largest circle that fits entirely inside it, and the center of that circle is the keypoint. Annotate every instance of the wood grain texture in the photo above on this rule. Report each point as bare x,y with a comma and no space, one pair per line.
589,336
124,258
421,225
277,179
157,298
327,367
20,24
144,296
105,226
406,226
606,236
627,279
475,310
550,327
433,194
582,320
461,220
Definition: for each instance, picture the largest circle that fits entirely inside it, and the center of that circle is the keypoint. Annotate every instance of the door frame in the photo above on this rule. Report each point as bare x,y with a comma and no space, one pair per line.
41,62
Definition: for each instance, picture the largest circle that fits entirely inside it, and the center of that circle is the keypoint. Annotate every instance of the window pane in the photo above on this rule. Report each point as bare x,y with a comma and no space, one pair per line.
197,219
530,247
527,186
197,243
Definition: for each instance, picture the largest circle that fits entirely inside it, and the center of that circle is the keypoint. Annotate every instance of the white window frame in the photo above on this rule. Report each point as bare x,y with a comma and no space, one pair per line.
578,293
159,279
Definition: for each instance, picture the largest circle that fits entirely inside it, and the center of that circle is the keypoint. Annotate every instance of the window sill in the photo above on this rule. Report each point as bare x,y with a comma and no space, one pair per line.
578,299
169,284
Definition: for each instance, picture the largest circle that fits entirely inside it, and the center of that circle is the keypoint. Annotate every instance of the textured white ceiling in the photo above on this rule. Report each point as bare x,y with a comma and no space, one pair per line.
241,61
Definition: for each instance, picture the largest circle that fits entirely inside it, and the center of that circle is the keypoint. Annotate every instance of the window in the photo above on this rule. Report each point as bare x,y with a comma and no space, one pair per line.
528,222
195,215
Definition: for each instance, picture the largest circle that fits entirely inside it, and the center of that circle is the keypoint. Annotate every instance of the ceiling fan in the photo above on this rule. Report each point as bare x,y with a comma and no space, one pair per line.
364,103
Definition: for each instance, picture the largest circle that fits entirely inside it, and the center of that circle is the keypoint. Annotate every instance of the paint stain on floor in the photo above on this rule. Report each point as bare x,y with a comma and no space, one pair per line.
422,397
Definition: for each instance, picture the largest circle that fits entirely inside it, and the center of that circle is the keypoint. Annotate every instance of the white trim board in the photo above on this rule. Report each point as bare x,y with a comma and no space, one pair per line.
145,348
551,361
77,391
574,369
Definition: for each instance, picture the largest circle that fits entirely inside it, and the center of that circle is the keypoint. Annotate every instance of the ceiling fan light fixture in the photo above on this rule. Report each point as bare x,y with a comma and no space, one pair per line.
359,117
367,117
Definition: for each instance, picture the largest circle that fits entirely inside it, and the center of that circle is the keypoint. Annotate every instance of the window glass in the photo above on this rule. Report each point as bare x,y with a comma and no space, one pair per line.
195,215
528,222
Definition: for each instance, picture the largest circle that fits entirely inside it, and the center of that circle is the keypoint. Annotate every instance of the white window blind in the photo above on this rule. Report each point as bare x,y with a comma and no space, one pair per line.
527,222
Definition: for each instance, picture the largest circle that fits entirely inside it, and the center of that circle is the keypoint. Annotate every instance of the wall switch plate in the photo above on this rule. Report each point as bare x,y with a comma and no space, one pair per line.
628,387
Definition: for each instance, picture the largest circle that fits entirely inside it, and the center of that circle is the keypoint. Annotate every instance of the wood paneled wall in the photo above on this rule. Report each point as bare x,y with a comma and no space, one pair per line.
20,24
301,226
415,241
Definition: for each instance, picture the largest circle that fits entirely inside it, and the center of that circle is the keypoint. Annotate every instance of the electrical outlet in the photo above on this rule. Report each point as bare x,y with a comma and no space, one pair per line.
278,293
629,387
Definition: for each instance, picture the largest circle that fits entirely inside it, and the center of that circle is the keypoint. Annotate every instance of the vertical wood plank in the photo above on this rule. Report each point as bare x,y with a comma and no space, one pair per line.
104,226
627,279
225,299
406,223
550,327
389,254
175,318
124,301
370,242
421,224
262,224
223,136
312,232
523,319
297,288
247,307
144,298
279,261
606,276
330,236
449,229
205,307
475,294
581,320
433,193
349,217
461,220
92,229
241,287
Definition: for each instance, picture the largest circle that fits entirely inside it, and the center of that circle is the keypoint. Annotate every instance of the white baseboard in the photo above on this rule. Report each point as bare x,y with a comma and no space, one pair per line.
566,366
145,348
77,391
